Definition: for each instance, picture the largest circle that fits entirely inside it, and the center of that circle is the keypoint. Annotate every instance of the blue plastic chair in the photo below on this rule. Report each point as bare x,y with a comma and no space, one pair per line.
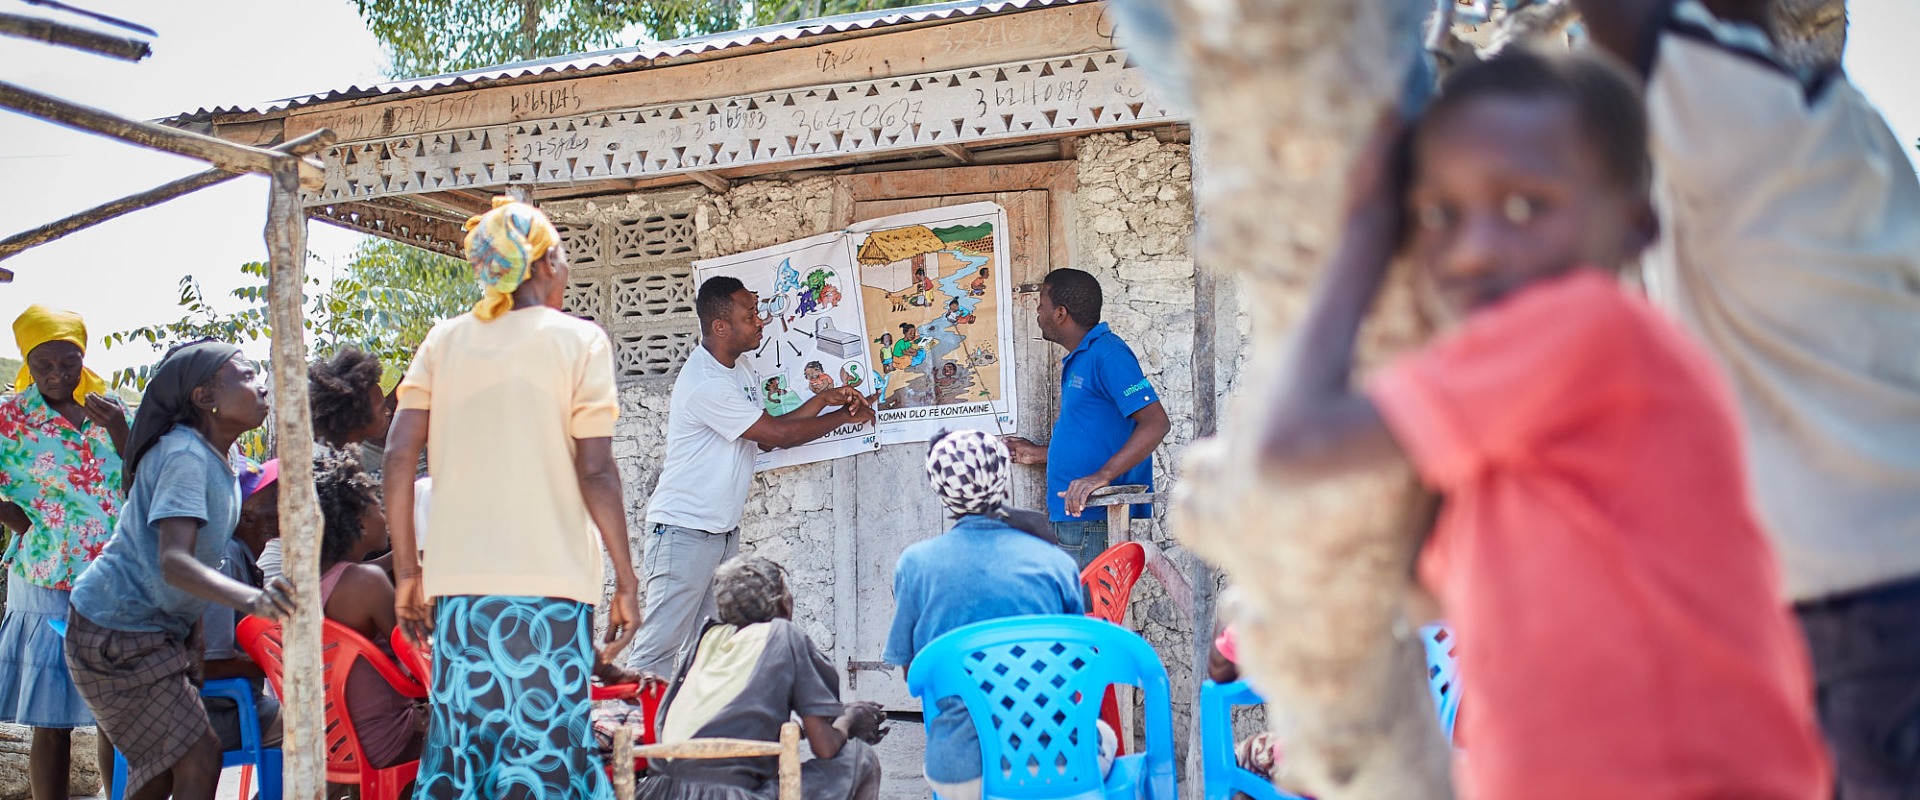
266,761
1225,777
1443,674
1032,686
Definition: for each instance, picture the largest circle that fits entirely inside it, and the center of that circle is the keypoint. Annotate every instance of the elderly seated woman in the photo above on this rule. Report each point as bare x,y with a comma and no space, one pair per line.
752,671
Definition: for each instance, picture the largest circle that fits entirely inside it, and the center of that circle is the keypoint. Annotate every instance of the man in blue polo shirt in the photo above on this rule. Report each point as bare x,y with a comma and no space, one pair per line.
1110,416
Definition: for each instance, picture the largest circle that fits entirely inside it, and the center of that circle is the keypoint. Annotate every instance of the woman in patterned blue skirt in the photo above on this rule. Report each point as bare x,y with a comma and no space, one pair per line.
518,400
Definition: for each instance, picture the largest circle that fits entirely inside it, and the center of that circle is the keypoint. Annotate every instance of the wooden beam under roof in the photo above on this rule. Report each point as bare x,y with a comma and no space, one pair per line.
711,180
956,152
438,234
453,202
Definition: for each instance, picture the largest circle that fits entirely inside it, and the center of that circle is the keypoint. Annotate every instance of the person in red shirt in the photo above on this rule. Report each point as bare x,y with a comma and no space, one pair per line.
1597,545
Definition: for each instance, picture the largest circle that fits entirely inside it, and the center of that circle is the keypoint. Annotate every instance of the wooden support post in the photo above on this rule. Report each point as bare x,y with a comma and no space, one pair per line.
51,32
1206,420
1119,502
1119,524
789,762
623,784
14,245
956,152
301,708
712,180
218,152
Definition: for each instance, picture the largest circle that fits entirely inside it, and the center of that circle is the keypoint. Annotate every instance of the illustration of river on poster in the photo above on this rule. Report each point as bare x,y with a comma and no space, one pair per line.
938,308
813,335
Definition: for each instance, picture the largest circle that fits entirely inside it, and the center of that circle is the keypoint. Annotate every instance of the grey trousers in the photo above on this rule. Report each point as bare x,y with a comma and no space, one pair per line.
677,564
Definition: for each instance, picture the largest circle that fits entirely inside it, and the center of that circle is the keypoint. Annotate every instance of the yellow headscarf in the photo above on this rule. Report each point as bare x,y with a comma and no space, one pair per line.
390,377
502,245
40,325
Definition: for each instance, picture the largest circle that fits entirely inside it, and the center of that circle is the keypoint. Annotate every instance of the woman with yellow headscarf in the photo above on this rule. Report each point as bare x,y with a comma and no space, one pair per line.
503,245
61,436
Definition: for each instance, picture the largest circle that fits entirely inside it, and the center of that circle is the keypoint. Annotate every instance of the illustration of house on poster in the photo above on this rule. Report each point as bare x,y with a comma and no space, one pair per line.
913,310
938,309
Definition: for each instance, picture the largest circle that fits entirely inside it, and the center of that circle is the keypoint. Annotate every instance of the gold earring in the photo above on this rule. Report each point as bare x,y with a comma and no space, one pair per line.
214,410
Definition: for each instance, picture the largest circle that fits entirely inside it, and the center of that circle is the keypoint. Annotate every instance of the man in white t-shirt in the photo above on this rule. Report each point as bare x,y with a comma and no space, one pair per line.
1791,245
716,424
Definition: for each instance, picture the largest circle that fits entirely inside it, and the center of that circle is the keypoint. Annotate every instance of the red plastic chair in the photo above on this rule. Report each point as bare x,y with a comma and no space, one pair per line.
1110,578
1109,581
340,647
417,663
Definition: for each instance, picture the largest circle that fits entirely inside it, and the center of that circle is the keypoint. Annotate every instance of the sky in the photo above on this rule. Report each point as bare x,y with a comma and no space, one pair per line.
126,273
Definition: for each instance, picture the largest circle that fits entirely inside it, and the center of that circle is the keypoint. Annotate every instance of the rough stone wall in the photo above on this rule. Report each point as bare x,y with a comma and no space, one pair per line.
1134,228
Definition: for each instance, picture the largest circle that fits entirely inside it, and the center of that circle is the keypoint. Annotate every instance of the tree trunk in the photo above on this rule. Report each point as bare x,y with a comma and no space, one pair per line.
529,29
301,710
1810,32
1282,92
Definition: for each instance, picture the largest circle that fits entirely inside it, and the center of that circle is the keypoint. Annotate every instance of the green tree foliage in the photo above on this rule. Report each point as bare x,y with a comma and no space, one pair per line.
390,296
384,302
201,320
430,37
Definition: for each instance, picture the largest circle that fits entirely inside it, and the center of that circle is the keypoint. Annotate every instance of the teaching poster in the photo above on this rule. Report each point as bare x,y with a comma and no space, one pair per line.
813,339
938,305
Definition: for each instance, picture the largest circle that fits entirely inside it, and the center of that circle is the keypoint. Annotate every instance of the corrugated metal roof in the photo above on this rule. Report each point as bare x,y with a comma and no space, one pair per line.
627,58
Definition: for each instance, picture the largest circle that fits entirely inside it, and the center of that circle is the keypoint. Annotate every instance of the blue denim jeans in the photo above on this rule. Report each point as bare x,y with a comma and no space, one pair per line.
1083,539
1866,663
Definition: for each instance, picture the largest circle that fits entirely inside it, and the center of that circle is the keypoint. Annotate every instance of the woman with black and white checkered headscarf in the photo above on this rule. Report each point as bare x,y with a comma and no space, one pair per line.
973,474
982,569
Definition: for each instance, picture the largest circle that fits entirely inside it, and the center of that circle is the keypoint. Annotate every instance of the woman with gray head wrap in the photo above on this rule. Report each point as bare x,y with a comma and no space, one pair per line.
752,670
750,589
972,473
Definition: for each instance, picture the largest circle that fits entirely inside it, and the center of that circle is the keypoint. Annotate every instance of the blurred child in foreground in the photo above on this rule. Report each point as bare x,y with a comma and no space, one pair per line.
1588,450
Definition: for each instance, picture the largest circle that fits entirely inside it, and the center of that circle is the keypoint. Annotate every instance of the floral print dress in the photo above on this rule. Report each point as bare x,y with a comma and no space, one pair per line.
67,479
